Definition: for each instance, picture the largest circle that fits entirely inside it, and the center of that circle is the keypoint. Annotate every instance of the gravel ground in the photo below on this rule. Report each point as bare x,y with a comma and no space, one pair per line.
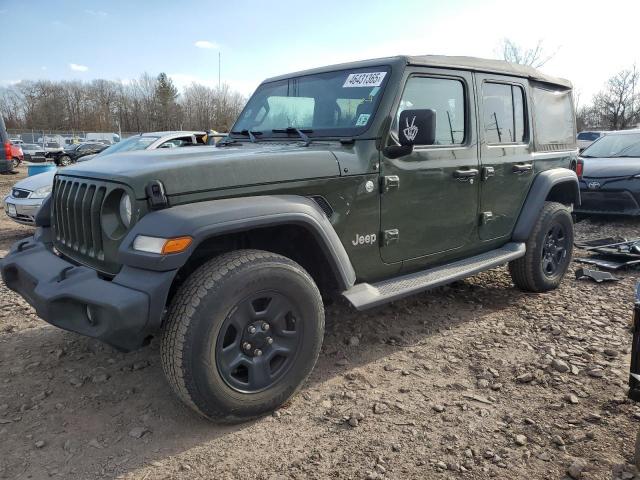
475,380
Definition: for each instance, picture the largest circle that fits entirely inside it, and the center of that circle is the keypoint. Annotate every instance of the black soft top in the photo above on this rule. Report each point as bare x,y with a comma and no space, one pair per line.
442,61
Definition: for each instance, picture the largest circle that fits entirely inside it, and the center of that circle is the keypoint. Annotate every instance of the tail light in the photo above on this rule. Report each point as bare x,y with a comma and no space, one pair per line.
579,167
7,150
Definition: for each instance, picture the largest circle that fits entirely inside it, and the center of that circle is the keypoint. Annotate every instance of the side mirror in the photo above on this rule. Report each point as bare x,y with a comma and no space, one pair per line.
417,127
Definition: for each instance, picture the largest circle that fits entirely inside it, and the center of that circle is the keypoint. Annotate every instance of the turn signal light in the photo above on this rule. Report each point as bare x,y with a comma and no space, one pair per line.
176,245
161,246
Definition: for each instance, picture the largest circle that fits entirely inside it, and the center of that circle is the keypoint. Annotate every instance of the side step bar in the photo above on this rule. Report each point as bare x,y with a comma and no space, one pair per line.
365,295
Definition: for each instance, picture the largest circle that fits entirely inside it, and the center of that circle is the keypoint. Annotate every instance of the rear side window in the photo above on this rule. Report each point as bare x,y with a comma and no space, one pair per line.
588,136
504,113
554,118
443,95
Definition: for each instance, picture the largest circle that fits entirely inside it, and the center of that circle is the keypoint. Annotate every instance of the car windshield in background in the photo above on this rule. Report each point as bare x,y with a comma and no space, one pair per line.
340,103
615,145
588,136
129,145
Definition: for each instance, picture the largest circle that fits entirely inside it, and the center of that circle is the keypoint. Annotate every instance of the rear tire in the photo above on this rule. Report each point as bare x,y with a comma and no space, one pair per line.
549,251
243,333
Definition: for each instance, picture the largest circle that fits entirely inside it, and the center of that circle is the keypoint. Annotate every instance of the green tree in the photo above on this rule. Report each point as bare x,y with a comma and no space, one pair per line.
167,106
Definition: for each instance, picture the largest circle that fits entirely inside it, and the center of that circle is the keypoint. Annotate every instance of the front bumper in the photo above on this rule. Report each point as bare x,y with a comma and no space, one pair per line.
26,209
123,312
608,202
634,376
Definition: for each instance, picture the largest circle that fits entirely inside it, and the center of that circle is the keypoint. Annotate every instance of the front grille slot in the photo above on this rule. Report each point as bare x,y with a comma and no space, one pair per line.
77,206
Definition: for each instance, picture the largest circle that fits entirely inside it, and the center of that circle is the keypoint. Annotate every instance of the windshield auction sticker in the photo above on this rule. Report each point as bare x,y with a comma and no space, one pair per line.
367,79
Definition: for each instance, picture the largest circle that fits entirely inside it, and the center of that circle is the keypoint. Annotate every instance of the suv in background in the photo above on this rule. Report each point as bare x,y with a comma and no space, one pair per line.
372,180
6,150
586,138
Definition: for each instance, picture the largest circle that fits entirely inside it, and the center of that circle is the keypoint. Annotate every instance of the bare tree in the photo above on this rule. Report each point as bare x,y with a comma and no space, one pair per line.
535,57
616,107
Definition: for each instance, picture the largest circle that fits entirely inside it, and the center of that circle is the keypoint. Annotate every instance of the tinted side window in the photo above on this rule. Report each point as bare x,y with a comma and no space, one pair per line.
443,95
504,113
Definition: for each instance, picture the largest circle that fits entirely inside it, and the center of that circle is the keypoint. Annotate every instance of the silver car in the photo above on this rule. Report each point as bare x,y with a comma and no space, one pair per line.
28,194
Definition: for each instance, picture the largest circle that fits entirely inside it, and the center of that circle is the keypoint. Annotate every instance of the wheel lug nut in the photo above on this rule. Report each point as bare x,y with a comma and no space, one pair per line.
246,346
269,340
265,326
257,352
252,329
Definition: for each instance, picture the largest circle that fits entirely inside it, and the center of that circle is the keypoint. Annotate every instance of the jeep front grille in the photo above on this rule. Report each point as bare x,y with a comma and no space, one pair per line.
75,218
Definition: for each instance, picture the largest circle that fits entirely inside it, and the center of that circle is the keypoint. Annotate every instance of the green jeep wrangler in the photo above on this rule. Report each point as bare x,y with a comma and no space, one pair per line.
373,180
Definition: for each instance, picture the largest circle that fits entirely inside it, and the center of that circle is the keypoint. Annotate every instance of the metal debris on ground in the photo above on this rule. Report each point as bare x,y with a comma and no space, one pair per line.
612,253
595,275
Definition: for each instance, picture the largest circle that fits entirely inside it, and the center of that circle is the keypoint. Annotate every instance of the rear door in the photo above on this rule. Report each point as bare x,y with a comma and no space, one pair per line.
506,152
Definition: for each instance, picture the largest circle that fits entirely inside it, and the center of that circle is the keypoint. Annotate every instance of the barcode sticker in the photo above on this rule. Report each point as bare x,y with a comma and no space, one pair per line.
367,79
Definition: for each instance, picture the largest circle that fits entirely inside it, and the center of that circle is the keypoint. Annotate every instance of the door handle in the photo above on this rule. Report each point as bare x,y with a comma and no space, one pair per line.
522,168
465,175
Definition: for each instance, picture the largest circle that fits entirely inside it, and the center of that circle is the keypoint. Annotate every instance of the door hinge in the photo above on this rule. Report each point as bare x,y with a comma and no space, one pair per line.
486,217
390,182
487,172
391,236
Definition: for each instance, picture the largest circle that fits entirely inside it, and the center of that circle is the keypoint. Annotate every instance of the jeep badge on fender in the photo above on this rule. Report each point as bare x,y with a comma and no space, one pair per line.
366,180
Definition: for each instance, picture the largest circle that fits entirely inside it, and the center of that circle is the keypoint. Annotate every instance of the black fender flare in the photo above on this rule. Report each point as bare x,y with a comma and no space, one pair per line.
204,220
542,186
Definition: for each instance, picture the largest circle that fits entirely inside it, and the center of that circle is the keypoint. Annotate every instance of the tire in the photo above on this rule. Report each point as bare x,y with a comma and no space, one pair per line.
210,323
549,251
64,161
15,162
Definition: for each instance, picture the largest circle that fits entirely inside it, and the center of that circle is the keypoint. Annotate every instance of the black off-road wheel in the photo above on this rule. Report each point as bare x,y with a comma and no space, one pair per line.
549,251
243,333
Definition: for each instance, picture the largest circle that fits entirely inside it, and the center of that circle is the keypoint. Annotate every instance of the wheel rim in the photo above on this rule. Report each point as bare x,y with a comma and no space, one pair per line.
554,250
258,342
65,161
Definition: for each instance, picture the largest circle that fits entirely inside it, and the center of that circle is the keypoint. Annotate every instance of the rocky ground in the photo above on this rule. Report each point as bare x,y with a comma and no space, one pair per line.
472,381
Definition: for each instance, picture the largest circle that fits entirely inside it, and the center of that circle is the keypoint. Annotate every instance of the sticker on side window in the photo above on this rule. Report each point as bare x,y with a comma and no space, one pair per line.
362,119
367,79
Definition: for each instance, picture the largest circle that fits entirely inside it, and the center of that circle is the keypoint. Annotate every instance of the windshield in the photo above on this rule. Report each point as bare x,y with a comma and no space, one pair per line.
340,103
615,145
589,136
130,144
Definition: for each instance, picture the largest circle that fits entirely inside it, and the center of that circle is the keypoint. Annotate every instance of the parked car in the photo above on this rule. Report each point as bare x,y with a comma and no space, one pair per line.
609,173
6,152
33,152
586,138
17,155
373,180
72,153
27,195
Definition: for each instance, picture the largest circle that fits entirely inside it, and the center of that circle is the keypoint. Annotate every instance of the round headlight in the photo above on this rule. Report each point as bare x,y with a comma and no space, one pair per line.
125,210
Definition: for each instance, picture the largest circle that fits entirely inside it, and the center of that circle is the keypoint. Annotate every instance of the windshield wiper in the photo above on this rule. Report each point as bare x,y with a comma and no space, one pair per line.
249,133
301,133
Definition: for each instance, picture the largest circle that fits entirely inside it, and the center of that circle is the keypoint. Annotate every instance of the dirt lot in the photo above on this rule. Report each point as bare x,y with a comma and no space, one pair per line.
472,381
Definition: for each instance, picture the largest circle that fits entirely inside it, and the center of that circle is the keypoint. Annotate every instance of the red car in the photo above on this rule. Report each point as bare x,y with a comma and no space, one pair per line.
17,157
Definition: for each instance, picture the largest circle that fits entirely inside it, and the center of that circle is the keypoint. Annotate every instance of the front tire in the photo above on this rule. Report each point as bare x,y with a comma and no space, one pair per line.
549,251
64,161
243,333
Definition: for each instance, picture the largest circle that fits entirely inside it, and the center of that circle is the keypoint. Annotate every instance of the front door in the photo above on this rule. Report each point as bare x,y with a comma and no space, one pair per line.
429,199
506,152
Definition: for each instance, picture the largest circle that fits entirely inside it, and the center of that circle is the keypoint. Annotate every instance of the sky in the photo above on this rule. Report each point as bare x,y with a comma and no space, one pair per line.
119,40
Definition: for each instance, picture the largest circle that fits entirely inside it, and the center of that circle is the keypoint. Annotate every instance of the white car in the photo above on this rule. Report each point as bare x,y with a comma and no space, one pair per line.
586,138
28,194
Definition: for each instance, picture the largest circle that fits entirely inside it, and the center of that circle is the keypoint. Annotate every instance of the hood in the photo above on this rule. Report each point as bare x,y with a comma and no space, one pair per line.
36,181
196,169
607,167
